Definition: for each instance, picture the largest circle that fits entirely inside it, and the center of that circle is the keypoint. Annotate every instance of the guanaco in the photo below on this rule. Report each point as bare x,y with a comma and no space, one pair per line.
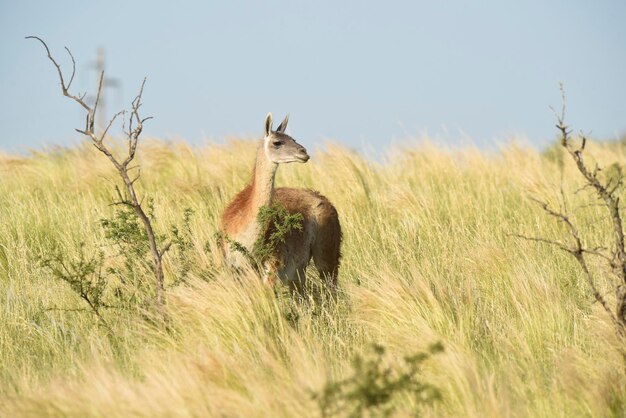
320,235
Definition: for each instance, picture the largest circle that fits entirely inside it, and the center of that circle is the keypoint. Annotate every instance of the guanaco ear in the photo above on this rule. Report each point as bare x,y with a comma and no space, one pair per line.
283,125
268,124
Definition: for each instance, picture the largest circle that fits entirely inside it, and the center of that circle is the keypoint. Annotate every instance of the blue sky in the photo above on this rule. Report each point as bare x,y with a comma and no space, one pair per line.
359,72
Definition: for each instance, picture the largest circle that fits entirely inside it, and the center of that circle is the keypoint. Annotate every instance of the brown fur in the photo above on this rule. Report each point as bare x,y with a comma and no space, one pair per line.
237,213
320,237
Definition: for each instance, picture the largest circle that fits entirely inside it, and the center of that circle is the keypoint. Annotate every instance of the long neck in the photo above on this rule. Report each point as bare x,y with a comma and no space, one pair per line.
259,193
262,181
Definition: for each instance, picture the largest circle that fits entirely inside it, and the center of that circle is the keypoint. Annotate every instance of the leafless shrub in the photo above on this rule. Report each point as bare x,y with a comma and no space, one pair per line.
128,173
607,191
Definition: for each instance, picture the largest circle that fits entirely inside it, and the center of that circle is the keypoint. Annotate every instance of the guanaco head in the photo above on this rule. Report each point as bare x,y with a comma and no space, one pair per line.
280,147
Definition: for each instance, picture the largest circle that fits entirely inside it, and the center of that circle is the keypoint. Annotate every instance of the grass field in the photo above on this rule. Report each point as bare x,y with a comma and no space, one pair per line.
427,257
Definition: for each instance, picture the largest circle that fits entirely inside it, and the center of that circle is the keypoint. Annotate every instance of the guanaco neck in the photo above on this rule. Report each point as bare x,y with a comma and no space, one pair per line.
262,181
259,193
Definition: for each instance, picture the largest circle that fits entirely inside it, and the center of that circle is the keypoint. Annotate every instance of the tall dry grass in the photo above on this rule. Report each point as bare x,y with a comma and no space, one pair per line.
427,257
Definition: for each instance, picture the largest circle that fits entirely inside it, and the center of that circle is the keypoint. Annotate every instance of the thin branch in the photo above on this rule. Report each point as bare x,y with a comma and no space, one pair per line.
54,308
121,203
589,205
597,253
95,106
120,113
136,177
69,84
543,240
60,73
165,248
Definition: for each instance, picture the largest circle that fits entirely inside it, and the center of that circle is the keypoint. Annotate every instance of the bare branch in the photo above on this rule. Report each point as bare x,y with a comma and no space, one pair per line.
597,252
121,203
136,177
92,113
58,67
543,240
69,84
54,308
119,195
165,248
60,73
120,113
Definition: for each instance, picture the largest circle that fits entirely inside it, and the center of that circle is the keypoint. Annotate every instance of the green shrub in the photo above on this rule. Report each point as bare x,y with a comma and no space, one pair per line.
375,384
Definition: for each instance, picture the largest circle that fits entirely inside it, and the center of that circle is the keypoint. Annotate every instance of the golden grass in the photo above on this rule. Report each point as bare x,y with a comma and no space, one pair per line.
428,257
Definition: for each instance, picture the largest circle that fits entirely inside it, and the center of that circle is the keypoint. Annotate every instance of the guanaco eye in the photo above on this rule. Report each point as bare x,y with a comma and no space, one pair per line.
277,143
